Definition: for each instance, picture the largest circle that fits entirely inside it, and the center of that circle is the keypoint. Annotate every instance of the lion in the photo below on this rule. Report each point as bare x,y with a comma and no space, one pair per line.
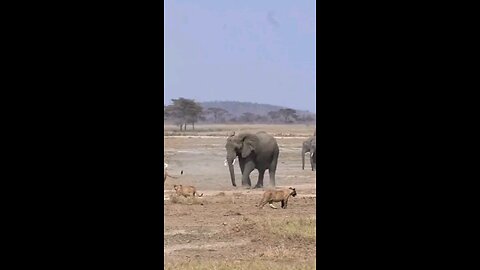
186,191
279,195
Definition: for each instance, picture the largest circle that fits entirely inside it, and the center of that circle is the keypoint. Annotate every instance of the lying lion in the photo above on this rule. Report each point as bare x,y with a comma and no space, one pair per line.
186,191
279,195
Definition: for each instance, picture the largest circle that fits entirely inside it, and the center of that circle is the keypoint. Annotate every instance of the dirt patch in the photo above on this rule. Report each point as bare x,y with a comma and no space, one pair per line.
223,229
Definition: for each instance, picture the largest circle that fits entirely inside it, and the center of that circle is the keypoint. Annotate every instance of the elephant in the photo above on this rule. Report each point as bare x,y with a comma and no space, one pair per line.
310,146
254,151
165,173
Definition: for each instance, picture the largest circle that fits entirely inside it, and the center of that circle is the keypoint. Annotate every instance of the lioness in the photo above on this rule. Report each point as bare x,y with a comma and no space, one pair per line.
279,195
186,191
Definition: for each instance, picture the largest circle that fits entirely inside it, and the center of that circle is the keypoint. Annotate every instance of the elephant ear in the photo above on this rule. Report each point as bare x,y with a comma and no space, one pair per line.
249,143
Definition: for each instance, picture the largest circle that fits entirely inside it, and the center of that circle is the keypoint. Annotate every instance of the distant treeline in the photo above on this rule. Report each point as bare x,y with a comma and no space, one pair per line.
183,112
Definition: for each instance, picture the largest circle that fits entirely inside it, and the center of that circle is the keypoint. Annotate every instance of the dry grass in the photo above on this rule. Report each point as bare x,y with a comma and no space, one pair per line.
298,228
189,200
224,130
255,264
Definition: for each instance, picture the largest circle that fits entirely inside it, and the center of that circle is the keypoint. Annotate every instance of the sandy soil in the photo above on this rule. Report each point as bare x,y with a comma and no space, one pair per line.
224,225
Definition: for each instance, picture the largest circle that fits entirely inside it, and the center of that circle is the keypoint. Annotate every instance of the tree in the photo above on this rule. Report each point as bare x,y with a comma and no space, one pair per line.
184,111
274,115
194,113
287,114
248,117
218,113
261,119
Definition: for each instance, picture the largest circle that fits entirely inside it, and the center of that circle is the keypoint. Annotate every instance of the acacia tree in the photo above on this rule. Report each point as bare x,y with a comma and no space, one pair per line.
184,111
248,117
287,114
274,115
194,114
218,113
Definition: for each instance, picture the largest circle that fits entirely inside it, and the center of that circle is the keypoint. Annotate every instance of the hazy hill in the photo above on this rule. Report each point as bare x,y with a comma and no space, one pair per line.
237,108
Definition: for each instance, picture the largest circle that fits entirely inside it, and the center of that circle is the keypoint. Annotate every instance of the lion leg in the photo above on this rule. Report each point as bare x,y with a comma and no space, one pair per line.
271,205
262,203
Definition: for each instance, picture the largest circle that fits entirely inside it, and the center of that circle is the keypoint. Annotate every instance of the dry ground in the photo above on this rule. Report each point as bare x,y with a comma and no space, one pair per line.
223,229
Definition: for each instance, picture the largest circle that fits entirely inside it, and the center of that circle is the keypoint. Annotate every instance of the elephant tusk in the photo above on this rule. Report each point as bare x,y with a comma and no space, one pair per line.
225,163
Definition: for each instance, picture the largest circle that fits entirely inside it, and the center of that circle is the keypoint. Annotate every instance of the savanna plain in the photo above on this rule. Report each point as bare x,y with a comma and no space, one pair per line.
224,229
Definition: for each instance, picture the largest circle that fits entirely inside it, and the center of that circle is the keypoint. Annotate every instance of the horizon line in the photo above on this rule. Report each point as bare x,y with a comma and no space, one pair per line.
286,107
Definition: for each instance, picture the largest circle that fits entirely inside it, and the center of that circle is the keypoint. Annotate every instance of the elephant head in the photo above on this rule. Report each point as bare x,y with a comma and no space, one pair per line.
241,145
310,146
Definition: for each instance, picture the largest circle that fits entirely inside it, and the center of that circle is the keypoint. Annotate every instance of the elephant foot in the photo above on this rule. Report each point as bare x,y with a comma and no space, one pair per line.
258,186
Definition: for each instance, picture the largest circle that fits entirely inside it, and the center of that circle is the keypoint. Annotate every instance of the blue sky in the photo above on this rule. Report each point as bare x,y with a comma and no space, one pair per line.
260,51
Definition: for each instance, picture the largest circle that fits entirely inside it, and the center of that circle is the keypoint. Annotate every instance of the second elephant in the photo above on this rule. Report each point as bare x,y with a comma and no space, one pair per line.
310,146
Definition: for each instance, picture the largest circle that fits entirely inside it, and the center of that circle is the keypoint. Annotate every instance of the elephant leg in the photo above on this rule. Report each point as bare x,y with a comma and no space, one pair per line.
273,167
312,163
271,172
303,158
260,179
249,167
241,162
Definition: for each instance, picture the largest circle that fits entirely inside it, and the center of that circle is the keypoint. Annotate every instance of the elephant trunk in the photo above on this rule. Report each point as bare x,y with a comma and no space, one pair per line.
232,172
303,158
